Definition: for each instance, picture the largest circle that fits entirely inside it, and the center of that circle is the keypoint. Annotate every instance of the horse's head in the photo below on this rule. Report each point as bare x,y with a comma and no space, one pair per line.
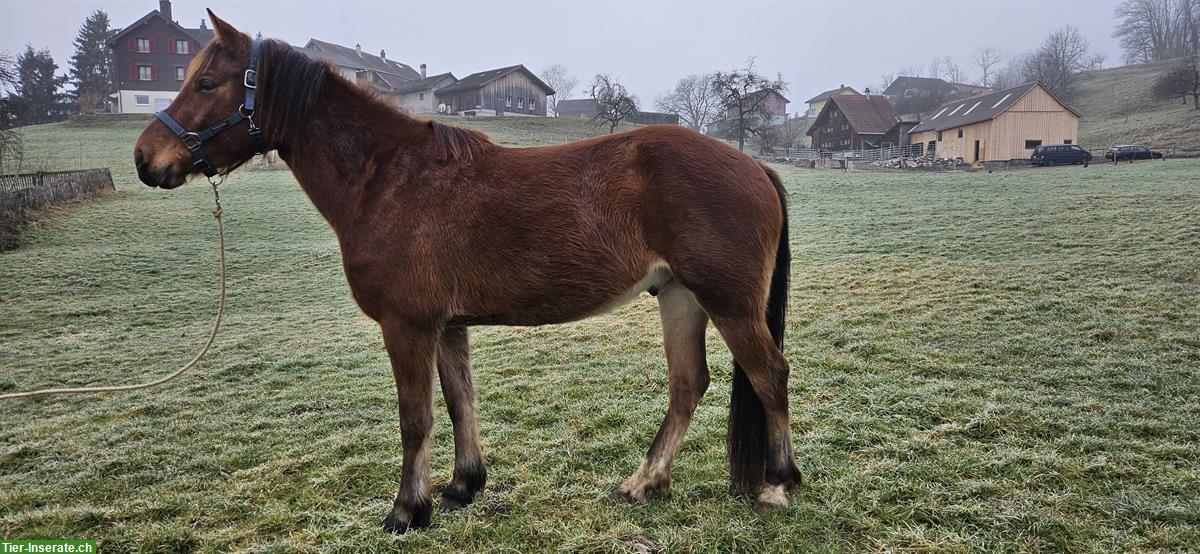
212,91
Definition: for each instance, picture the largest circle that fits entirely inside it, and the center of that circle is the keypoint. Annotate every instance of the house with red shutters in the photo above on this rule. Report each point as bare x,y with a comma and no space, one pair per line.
152,55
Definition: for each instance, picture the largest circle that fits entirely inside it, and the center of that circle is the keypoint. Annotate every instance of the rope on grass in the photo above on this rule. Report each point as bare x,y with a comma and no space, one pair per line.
211,336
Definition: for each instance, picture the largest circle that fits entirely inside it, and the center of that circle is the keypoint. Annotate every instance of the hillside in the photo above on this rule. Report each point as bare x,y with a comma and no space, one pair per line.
1117,107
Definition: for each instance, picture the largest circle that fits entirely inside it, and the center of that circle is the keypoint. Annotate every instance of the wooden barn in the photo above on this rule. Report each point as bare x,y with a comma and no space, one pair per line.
999,126
855,122
512,90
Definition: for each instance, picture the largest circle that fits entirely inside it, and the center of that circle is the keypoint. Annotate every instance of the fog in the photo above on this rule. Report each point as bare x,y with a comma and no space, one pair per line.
815,45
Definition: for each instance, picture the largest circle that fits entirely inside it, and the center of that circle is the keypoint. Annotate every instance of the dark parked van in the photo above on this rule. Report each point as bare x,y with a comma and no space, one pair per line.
1060,154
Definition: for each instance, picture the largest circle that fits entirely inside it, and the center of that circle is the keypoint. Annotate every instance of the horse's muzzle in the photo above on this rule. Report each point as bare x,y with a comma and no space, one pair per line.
166,177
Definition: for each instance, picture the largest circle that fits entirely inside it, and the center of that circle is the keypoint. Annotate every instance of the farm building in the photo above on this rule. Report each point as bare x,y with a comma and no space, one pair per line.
512,90
920,95
999,126
367,70
152,55
855,122
587,108
816,103
420,96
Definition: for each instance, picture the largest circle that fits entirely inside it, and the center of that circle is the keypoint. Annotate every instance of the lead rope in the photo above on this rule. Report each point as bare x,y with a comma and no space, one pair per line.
211,336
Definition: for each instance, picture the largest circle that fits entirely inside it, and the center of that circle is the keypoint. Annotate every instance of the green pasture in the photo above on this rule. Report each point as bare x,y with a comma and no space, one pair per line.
996,362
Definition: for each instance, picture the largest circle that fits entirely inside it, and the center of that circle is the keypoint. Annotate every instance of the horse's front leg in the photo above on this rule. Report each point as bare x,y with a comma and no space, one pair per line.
454,369
412,351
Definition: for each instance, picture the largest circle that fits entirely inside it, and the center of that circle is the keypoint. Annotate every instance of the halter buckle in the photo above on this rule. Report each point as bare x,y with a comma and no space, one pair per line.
250,79
191,141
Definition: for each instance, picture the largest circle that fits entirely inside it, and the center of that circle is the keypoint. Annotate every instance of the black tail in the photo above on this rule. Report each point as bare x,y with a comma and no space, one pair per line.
747,442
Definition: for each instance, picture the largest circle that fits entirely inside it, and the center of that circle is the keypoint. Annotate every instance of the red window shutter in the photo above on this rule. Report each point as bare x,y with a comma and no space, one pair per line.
132,44
153,73
133,73
151,45
170,47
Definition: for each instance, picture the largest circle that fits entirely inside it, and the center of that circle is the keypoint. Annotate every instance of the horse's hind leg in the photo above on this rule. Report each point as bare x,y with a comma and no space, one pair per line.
412,352
750,342
687,379
454,369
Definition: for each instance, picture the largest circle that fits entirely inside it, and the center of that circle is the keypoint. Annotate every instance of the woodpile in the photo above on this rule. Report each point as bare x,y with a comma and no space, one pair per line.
927,162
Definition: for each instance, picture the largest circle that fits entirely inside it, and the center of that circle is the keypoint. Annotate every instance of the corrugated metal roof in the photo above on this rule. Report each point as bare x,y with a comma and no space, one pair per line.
968,111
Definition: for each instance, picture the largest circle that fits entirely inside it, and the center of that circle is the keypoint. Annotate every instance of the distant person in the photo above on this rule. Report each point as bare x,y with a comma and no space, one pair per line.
1116,154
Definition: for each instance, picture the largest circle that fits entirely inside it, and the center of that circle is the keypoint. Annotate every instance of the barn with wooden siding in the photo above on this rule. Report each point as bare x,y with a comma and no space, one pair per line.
999,126
512,90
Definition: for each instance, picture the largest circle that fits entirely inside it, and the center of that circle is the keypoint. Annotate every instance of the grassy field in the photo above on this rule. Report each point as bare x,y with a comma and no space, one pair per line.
993,362
1118,108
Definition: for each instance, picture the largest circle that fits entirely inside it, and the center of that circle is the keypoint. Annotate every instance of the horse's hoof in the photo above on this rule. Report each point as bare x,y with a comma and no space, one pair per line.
770,498
761,507
404,519
456,496
641,492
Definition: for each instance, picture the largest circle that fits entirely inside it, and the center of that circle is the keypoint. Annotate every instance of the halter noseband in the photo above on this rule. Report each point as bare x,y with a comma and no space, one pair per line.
194,141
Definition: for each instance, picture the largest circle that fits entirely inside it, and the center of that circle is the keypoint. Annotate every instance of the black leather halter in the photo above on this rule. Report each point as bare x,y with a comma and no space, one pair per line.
194,141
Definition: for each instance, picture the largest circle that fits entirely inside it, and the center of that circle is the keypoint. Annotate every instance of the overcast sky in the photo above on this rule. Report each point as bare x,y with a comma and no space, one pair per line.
816,45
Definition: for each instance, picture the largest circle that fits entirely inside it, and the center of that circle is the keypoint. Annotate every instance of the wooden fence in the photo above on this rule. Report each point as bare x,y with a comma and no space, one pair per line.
34,190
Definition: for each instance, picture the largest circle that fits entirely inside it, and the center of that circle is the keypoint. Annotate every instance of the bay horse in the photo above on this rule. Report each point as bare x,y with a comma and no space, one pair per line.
440,229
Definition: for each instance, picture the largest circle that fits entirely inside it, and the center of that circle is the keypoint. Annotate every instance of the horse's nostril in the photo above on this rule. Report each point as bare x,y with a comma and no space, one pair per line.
139,157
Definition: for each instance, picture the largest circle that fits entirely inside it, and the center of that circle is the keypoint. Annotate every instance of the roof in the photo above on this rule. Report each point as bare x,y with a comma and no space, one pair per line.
577,107
428,83
355,58
867,114
478,80
201,35
831,92
968,111
764,91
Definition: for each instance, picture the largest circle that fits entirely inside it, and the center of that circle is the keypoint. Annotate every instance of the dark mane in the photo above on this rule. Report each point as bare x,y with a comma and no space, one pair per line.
290,87
291,84
457,143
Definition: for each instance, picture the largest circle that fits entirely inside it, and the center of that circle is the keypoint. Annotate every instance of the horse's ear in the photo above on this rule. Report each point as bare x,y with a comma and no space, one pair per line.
222,29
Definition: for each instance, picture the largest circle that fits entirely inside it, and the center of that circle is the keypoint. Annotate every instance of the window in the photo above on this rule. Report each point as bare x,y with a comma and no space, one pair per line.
141,99
1031,144
960,132
420,96
532,104
845,127
1001,101
143,45
939,135
183,46
179,73
145,73
520,103
1066,141
508,102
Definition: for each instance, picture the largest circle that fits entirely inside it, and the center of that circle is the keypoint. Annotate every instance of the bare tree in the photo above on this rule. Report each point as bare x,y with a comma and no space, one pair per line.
1181,81
935,68
1011,74
986,58
562,81
885,81
954,72
1154,30
745,95
693,100
1058,62
613,103
1096,61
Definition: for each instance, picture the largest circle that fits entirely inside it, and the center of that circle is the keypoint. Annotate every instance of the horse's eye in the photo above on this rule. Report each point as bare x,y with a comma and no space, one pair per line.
207,84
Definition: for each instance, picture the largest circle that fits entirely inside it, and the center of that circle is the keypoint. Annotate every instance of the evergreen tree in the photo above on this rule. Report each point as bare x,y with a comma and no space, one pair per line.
38,88
93,63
